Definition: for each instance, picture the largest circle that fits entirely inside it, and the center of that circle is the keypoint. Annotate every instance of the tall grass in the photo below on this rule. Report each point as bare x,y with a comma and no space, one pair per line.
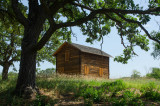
92,90
138,83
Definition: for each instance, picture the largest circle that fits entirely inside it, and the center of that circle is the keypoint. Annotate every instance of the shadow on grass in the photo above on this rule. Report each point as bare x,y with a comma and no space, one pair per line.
7,98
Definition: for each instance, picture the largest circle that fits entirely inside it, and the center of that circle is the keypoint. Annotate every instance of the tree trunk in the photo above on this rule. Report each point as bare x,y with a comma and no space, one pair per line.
5,71
26,76
27,73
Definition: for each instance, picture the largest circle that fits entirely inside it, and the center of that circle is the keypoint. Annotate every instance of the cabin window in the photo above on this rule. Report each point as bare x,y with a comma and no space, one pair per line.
86,70
101,72
67,55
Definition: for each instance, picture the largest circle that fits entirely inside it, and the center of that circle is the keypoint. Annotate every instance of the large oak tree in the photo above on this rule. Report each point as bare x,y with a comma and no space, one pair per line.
11,33
95,19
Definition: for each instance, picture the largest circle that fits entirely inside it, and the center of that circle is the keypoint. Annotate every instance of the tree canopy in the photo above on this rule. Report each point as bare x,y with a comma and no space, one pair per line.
11,33
95,19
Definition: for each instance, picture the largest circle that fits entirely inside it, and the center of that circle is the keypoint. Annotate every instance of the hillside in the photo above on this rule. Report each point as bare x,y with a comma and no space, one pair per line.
81,90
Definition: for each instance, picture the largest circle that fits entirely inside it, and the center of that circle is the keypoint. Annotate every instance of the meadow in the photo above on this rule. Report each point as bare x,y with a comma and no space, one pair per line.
81,90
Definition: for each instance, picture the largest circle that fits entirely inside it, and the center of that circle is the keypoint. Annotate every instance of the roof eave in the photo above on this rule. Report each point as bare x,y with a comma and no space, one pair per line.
55,53
65,43
97,54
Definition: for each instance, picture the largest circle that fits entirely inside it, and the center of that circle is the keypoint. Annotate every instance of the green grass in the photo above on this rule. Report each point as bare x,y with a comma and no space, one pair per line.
59,88
138,83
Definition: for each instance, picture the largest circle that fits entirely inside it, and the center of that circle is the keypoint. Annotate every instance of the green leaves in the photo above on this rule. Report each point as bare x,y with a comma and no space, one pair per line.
127,23
127,53
57,38
144,18
156,48
10,41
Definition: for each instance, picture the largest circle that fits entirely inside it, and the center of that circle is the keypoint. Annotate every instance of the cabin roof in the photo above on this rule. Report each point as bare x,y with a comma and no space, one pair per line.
83,48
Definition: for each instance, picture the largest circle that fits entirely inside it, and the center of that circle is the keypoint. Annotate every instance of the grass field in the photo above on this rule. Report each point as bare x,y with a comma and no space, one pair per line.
81,90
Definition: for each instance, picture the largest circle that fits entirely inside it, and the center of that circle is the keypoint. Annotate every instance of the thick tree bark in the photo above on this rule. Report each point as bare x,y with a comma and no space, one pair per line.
5,71
33,26
26,77
27,70
27,73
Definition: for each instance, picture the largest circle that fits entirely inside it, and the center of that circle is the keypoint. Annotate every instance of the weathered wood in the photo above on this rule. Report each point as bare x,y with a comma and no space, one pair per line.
81,63
95,62
72,64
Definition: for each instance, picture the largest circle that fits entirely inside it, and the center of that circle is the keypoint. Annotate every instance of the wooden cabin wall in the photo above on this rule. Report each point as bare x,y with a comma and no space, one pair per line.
95,62
69,67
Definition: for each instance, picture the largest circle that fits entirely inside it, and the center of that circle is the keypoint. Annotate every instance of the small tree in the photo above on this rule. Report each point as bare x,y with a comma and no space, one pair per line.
10,43
135,74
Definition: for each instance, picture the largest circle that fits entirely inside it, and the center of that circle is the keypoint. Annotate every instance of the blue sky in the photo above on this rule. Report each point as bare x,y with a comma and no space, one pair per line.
112,45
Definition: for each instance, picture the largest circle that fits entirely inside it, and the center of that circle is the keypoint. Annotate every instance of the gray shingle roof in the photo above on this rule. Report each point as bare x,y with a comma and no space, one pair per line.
90,50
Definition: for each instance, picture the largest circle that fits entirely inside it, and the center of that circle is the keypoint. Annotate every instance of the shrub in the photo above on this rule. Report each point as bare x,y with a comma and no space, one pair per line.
116,86
155,73
150,92
92,94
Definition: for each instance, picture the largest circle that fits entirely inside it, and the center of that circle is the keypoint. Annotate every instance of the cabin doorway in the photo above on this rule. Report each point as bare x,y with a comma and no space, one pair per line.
86,70
100,72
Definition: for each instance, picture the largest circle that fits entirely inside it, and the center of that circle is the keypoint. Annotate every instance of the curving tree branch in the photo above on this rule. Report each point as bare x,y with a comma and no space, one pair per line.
15,58
140,25
19,16
44,39
82,6
79,21
59,4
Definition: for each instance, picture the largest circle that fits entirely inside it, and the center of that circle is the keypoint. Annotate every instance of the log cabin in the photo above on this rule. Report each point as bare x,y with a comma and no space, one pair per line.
73,58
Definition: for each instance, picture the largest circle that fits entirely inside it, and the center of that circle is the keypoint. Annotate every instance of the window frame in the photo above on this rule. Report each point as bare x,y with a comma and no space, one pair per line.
67,53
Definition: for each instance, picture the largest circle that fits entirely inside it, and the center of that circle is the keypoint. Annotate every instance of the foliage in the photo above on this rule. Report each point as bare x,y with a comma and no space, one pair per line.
10,43
128,98
156,52
154,74
10,34
13,74
151,92
156,49
126,22
57,39
93,94
135,74
114,87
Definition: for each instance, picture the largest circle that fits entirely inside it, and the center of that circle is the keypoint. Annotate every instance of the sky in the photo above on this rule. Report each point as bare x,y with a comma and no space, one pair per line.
112,45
